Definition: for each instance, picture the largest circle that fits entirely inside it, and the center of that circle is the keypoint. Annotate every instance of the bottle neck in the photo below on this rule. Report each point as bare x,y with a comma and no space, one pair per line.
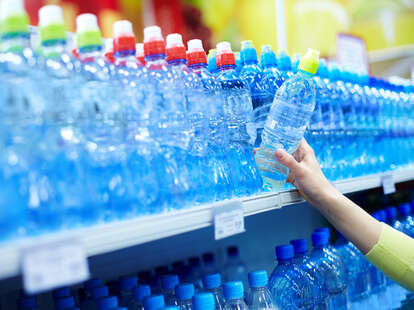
250,62
258,289
155,61
177,62
198,66
14,42
300,256
53,48
90,52
226,68
284,262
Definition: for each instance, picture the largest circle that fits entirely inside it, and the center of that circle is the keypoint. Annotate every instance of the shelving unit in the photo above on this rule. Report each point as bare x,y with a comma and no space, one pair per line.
109,237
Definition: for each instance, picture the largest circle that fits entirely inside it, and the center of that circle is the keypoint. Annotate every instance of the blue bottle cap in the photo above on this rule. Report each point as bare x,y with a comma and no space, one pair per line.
300,246
184,291
284,252
61,292
212,280
233,290
204,301
212,64
404,209
248,52
233,251
170,308
65,303
325,230
267,57
194,261
108,302
258,278
161,270
382,215
208,258
126,283
154,302
283,61
320,239
141,291
98,292
391,213
26,303
91,283
169,281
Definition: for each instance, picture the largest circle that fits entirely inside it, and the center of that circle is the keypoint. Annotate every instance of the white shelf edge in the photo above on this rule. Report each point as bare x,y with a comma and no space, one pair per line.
110,237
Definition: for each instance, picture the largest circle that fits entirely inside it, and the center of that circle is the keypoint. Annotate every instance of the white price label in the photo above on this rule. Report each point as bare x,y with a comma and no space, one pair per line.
228,219
352,52
52,265
388,184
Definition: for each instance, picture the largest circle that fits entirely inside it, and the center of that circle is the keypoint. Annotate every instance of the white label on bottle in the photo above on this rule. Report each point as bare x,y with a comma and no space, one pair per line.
53,265
228,219
388,184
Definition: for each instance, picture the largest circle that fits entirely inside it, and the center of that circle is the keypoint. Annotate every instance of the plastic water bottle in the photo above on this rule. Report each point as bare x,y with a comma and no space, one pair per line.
209,263
317,281
154,302
242,132
234,295
168,284
203,301
235,269
332,269
272,76
184,293
288,285
357,274
140,292
126,285
284,64
212,63
218,136
212,284
259,296
287,121
251,73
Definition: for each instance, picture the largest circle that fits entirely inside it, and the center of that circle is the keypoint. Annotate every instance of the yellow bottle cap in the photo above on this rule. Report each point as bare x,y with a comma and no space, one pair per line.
310,61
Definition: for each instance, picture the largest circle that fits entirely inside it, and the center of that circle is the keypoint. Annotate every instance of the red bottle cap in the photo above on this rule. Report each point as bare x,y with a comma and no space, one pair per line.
124,39
225,56
196,53
153,41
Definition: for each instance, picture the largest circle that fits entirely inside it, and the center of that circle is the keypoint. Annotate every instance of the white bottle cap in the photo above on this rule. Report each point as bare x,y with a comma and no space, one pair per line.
86,22
152,33
122,28
174,40
195,45
10,8
49,15
223,47
139,49
108,45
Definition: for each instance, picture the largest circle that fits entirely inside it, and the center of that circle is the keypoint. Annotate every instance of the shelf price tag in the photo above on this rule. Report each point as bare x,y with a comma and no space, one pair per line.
228,219
53,265
388,184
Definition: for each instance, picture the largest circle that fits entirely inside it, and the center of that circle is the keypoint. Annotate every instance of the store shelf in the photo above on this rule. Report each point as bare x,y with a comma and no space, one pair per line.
105,238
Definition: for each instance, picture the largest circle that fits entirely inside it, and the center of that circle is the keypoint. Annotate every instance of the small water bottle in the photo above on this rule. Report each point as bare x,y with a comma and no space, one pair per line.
234,295
212,284
184,293
260,297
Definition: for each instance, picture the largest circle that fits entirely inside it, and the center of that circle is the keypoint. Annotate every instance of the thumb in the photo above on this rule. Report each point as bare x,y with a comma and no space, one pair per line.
286,159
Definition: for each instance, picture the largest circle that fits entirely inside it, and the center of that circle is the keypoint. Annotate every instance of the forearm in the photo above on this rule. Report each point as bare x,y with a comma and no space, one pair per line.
350,219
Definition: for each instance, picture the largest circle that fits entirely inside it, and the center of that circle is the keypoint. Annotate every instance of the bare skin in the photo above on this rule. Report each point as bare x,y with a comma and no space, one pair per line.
351,220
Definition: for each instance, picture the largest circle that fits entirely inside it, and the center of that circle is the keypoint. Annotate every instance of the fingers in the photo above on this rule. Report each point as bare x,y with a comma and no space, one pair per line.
286,159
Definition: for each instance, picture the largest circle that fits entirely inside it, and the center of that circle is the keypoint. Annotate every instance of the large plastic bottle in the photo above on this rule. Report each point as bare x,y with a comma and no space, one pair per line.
234,295
332,269
217,133
252,74
259,295
235,269
317,281
242,132
288,285
184,293
287,121
212,284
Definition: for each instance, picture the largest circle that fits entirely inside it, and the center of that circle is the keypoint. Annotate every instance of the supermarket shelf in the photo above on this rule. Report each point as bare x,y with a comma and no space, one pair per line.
391,53
105,238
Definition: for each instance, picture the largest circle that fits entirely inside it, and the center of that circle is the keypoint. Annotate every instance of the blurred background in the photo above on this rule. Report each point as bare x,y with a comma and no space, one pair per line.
386,26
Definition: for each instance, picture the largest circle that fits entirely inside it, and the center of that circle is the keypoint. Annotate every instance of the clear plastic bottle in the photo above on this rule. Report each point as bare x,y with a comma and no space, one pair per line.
212,284
234,295
168,284
259,295
184,294
332,269
272,77
235,269
317,281
242,131
287,121
217,137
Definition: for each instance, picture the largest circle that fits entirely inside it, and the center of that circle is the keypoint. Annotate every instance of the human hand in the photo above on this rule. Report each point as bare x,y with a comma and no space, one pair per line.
305,173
